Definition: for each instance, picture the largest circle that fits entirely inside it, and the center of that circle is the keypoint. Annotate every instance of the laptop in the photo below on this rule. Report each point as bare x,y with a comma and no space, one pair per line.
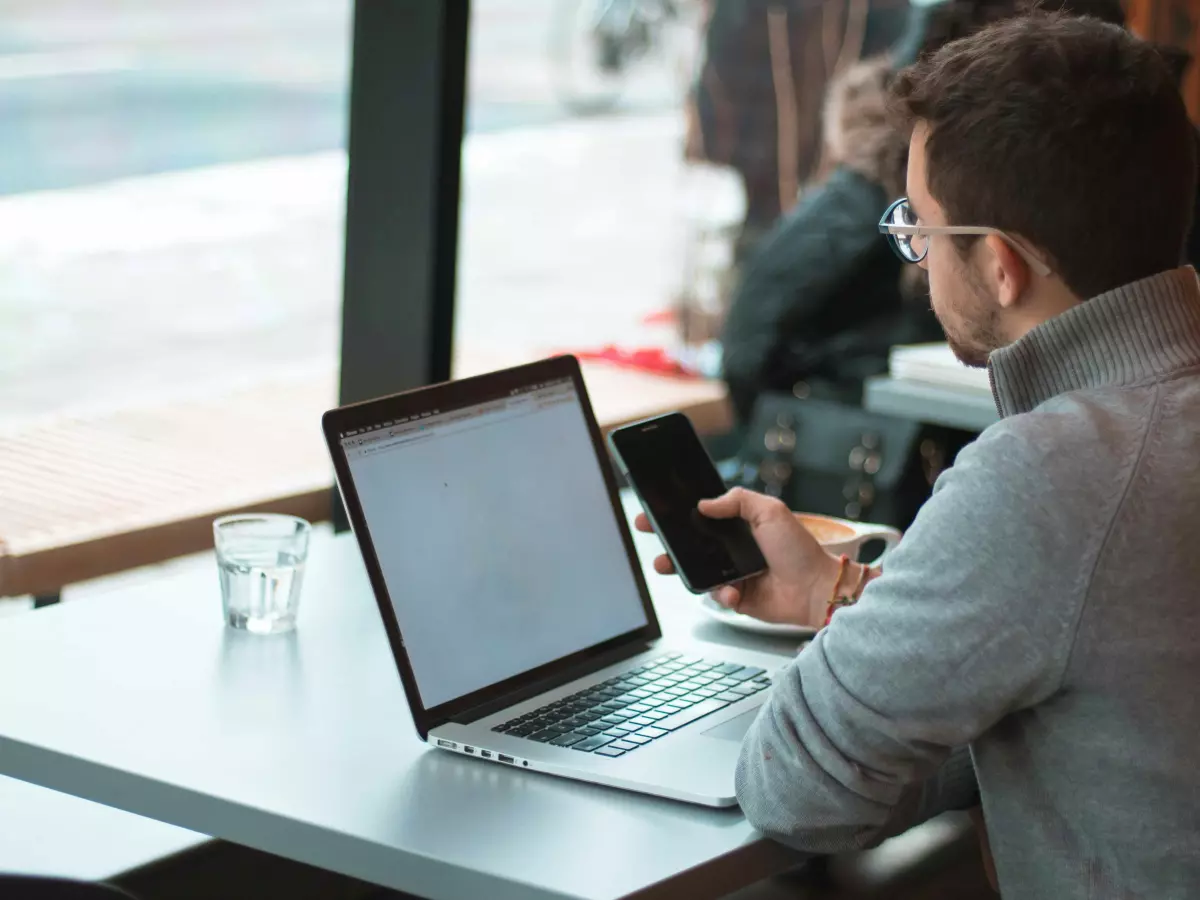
489,520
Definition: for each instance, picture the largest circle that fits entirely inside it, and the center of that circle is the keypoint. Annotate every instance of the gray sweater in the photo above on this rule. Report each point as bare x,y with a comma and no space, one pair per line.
1043,611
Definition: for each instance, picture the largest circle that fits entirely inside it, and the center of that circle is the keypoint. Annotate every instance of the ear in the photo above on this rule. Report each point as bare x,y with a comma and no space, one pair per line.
1007,269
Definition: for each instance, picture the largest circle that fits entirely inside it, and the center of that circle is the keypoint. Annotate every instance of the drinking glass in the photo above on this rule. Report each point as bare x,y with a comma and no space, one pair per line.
261,560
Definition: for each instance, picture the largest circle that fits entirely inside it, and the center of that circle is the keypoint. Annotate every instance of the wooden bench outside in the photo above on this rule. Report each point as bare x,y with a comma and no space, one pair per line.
91,495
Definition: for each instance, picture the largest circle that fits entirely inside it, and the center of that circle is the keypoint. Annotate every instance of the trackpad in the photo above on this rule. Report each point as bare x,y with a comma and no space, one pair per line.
735,728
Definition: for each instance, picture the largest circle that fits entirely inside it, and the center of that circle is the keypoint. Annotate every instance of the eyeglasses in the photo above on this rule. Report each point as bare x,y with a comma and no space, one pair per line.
910,241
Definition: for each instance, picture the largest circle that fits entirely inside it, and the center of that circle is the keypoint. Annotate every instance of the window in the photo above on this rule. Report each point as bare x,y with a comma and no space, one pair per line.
172,195
575,225
172,177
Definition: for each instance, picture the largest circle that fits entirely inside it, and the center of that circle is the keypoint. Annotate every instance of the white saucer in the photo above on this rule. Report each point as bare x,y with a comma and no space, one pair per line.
719,613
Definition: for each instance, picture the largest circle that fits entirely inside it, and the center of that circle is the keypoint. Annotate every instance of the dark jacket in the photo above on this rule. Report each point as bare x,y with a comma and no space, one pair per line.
821,298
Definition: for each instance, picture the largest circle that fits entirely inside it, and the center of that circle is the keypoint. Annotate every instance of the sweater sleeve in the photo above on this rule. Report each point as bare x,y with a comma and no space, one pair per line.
972,619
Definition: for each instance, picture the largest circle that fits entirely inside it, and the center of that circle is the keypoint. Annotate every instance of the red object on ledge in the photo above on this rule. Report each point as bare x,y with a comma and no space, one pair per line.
645,359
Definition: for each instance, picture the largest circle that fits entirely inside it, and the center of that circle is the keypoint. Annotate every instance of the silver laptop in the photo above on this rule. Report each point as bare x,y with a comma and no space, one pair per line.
489,520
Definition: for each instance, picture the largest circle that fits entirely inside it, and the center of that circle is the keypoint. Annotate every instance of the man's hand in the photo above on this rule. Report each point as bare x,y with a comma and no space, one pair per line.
800,575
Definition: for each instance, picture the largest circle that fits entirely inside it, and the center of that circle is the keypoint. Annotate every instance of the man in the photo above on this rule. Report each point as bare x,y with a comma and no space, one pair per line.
1042,610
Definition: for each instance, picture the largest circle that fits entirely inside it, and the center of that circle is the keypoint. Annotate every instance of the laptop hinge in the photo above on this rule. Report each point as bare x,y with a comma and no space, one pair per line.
512,698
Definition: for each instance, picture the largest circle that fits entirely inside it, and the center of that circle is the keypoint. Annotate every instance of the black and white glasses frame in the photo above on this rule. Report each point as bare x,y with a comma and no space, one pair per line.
910,241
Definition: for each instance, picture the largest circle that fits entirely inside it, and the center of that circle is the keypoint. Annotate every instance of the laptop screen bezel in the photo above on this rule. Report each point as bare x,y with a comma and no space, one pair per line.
454,395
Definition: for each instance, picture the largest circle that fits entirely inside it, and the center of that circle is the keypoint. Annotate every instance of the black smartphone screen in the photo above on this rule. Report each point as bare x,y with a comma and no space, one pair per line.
671,472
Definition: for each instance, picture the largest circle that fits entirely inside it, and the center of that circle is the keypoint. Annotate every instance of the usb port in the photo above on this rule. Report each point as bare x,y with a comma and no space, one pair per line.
468,749
486,754
450,745
505,759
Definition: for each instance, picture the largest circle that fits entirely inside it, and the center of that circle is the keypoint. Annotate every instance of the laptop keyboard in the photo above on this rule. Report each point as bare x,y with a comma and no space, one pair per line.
639,706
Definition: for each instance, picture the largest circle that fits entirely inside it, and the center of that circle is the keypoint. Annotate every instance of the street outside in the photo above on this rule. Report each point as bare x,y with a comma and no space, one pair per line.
172,185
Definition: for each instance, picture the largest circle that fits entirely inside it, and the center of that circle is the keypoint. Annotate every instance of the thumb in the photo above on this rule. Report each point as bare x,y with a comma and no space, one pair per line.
740,503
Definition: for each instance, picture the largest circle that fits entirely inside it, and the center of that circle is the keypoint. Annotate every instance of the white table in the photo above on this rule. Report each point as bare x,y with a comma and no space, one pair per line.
47,833
965,408
302,746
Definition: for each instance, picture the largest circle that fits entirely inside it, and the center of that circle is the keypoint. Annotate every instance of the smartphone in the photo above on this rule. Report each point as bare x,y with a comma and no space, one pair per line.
671,472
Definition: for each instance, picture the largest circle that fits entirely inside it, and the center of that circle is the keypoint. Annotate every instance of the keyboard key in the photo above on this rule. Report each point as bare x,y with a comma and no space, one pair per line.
587,730
671,708
566,740
729,697
610,751
624,745
593,743
699,711
642,720
655,702
652,732
642,693
543,736
654,716
726,668
747,673
675,691
706,692
636,739
744,689
621,730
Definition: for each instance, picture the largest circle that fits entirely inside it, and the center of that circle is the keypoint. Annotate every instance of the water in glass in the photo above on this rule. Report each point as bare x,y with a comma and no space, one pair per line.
261,563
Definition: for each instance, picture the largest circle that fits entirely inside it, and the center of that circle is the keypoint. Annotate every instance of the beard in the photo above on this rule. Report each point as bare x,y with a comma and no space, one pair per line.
970,352
972,323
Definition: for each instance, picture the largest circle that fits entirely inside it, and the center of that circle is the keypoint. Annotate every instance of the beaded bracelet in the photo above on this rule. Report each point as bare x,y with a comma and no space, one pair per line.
836,602
865,575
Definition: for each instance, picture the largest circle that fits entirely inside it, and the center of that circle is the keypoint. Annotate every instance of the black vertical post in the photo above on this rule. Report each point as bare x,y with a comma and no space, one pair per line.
407,100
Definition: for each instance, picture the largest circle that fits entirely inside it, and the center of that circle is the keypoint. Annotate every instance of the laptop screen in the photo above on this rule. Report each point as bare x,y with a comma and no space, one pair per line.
495,535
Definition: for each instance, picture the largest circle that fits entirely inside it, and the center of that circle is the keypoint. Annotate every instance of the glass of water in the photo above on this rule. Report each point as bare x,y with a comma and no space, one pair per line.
261,560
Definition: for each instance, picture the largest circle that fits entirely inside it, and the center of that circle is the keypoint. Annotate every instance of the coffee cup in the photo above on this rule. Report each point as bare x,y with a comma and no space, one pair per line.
840,536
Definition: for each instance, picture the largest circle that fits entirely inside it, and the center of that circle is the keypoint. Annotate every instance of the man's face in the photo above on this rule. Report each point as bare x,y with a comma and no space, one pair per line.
962,300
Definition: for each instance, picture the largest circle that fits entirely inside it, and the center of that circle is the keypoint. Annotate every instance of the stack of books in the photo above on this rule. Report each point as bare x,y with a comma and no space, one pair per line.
936,364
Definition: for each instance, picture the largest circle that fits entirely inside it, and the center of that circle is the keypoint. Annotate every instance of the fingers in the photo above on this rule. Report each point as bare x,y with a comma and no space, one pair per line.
642,523
729,597
740,503
663,565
